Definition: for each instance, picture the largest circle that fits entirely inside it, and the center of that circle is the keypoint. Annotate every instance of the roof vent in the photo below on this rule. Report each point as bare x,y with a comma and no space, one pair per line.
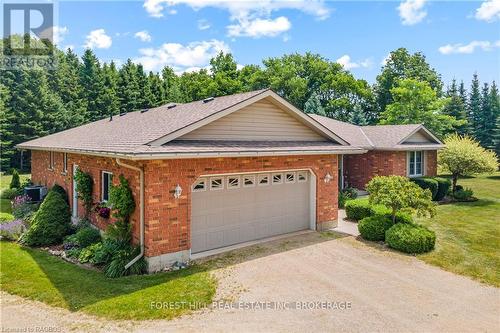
123,113
209,99
144,110
171,106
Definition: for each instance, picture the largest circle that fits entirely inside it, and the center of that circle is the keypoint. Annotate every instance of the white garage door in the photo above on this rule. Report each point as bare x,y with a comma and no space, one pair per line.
232,209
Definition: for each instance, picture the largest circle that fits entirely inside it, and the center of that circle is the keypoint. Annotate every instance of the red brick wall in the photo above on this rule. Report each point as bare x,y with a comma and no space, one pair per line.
167,220
41,174
359,169
430,161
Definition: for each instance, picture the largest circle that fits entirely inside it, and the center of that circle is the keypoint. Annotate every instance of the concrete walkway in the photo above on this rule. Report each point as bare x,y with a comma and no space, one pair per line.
345,226
329,284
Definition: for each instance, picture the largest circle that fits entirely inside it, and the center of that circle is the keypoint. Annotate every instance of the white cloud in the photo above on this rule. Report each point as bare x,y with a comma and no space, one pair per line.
412,11
203,24
58,34
250,18
489,11
346,62
143,35
98,39
468,48
181,57
259,27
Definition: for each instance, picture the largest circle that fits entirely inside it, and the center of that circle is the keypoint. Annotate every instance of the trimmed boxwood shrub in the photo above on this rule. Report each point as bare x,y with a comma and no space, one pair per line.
373,228
410,238
427,183
444,186
50,223
358,209
87,236
59,189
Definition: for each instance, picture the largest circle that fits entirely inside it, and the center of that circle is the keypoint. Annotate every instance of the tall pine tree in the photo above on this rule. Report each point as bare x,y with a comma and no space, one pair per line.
128,88
474,107
313,105
455,106
92,82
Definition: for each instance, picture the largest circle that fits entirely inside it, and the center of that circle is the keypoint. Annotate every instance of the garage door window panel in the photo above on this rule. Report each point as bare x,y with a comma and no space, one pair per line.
277,178
233,182
200,185
216,183
249,181
302,176
263,180
290,177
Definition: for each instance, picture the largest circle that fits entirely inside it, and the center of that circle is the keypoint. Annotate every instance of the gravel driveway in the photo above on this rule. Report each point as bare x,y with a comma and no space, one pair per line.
352,287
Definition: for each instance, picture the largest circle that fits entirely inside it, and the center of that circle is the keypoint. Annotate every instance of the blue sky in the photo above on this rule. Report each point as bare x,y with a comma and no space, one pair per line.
458,37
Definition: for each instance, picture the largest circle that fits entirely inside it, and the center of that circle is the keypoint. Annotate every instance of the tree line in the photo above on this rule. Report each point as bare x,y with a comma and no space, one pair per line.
34,103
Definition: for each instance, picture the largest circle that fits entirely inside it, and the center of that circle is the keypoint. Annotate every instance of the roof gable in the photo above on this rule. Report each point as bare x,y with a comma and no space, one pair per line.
420,136
259,121
267,94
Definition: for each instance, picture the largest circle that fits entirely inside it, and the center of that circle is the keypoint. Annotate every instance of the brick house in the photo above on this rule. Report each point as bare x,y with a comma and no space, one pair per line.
225,170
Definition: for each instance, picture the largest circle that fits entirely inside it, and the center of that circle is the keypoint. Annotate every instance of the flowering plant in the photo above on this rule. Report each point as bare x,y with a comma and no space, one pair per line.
12,230
102,210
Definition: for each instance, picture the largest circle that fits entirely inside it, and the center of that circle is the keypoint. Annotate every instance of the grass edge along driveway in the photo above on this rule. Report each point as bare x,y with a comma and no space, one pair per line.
37,275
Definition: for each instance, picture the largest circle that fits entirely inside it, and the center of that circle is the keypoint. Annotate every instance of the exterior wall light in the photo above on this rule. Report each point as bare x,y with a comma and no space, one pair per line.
328,177
178,191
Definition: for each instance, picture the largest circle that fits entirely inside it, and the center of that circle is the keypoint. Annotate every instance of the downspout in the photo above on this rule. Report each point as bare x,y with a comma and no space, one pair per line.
141,208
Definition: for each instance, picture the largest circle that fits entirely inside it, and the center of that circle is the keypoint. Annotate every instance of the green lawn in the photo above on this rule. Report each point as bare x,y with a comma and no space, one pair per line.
468,234
36,275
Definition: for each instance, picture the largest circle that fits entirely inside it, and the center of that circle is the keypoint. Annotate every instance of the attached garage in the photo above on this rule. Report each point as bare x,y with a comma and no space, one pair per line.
237,208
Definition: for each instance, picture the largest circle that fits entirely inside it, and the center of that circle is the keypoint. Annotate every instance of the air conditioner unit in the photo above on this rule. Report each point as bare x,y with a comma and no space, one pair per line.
36,192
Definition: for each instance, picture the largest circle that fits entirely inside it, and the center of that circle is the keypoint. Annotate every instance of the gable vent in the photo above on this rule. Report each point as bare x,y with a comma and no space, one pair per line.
171,106
209,99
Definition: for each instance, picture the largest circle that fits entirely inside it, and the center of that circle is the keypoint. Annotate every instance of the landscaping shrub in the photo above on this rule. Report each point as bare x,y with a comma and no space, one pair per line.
74,252
84,188
373,228
347,194
116,267
87,236
59,189
12,230
358,209
87,254
9,193
15,182
50,223
403,217
410,238
70,242
444,186
427,183
6,217
464,194
104,254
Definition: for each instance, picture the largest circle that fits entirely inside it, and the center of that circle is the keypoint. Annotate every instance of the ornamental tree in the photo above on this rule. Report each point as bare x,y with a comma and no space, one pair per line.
463,156
397,193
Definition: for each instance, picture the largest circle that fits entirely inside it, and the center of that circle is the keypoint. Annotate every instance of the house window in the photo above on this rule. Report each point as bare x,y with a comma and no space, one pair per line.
65,162
290,177
216,183
200,185
415,163
302,176
233,182
106,183
263,180
277,178
51,160
249,181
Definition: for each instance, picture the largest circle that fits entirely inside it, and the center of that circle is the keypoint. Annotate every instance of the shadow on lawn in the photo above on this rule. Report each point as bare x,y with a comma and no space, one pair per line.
81,287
